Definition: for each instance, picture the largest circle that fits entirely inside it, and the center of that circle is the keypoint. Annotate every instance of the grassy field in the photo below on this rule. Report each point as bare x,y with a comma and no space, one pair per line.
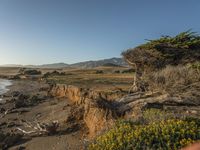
100,78
90,78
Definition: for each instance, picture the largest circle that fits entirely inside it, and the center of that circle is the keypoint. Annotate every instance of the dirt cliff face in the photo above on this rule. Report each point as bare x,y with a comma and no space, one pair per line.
78,95
73,93
98,114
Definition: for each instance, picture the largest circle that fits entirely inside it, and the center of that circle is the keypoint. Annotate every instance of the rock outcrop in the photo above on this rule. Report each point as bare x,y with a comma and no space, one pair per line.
73,93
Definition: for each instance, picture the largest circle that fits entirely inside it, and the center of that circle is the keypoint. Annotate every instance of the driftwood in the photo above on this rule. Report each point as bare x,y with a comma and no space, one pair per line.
40,128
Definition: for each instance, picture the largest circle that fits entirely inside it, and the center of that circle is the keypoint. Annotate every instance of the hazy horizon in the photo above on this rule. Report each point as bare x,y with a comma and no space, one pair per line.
35,32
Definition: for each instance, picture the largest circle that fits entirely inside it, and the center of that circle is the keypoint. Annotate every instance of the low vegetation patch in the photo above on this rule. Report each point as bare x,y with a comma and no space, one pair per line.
166,134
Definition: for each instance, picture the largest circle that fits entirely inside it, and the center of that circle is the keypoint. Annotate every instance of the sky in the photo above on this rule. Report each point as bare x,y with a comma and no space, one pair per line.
69,31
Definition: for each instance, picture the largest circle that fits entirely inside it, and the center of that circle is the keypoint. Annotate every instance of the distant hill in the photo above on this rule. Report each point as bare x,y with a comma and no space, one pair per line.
111,65
55,65
93,64
87,64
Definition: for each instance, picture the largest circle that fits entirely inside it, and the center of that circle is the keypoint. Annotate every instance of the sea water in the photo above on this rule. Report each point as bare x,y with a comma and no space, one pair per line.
3,86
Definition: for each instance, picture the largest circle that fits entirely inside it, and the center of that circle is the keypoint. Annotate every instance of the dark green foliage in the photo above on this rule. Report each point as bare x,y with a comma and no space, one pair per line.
184,40
155,54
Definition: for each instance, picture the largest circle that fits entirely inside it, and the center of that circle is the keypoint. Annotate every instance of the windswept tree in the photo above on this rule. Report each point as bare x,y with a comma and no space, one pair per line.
156,54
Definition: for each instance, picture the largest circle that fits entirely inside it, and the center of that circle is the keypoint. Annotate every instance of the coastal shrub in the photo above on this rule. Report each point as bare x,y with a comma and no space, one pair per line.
166,135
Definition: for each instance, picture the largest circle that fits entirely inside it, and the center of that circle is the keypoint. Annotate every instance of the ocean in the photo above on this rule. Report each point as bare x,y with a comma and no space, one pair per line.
3,86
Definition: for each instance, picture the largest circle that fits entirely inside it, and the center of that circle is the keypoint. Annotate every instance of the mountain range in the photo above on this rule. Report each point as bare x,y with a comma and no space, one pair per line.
84,65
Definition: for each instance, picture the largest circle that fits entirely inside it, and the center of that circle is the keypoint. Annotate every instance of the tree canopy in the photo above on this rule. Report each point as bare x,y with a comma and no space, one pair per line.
155,54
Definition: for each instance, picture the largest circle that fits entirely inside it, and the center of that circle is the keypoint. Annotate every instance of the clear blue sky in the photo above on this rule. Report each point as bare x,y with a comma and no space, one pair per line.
49,31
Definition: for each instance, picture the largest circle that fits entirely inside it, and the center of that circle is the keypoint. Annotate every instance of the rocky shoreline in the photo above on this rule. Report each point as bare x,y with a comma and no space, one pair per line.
27,105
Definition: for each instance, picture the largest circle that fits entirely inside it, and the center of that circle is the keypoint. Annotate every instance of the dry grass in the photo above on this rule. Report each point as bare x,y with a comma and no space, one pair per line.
178,79
9,70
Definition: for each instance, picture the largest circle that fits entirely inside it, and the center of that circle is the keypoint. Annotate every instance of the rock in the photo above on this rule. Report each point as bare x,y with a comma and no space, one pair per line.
21,101
15,93
15,77
9,139
21,148
11,124
2,110
27,100
3,124
24,71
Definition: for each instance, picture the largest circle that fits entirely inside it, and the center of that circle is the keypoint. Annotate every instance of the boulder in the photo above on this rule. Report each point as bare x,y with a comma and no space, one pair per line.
9,139
21,101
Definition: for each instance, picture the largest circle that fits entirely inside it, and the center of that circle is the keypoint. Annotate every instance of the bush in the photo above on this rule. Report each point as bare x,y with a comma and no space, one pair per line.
25,71
116,71
128,71
54,73
99,72
167,134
